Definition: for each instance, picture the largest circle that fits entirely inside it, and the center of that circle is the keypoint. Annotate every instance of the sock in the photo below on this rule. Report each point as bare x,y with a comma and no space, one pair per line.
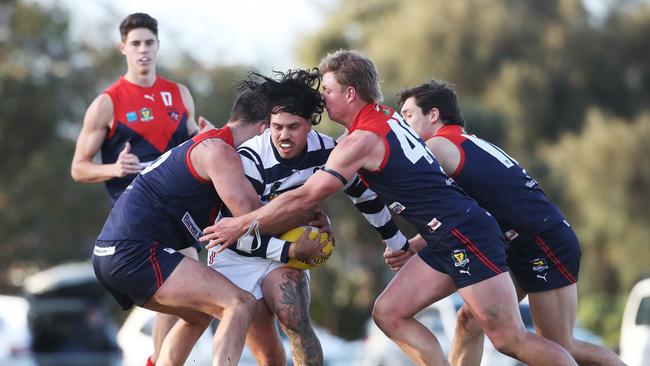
149,363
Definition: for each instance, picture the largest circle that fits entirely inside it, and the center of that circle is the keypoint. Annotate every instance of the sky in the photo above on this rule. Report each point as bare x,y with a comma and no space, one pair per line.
262,33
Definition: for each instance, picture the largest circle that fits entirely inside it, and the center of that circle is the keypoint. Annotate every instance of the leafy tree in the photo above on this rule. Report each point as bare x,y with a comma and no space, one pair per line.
606,188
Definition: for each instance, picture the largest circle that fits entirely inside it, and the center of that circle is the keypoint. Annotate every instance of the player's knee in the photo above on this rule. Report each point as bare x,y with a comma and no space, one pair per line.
466,324
242,301
196,319
293,318
384,316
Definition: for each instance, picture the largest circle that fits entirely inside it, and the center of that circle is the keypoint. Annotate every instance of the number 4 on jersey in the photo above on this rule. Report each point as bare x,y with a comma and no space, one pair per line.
413,148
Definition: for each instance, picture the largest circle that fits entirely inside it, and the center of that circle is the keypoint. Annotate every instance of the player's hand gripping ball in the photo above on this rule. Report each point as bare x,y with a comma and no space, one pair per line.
294,235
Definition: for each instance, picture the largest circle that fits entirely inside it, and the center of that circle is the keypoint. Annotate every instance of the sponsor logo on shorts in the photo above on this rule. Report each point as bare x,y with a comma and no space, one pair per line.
511,235
169,250
396,207
460,258
434,224
465,271
191,226
213,253
103,251
539,264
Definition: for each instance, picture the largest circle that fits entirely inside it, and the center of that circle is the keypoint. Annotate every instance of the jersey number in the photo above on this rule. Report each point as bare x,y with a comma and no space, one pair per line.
157,162
167,98
413,149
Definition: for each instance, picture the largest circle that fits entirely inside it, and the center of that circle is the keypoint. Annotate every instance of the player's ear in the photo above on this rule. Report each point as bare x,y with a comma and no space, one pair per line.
350,93
434,115
121,46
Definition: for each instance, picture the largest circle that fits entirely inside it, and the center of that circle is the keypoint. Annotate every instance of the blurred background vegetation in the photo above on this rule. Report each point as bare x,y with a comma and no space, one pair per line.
563,90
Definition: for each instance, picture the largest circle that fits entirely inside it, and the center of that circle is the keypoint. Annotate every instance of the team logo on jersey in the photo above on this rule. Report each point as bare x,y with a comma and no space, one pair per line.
397,207
131,117
173,114
511,235
146,115
460,258
539,264
434,224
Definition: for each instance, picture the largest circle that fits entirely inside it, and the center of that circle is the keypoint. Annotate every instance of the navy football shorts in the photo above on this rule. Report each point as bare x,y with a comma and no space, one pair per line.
548,261
132,271
470,253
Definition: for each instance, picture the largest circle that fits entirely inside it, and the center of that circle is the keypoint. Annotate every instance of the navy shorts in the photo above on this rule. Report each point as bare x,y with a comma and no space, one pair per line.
132,271
470,253
549,261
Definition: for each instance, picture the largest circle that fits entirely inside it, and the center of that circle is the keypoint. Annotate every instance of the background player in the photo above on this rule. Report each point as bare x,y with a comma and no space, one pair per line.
279,160
399,167
543,251
133,122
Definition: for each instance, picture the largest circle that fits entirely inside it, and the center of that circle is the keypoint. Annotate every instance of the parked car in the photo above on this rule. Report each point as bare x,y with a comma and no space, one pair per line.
69,321
440,318
135,339
635,328
15,338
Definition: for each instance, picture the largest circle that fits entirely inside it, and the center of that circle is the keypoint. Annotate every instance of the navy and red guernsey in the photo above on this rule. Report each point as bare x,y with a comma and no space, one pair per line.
501,186
168,202
152,120
410,181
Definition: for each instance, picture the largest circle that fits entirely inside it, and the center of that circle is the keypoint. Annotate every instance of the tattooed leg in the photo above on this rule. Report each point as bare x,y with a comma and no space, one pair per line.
286,292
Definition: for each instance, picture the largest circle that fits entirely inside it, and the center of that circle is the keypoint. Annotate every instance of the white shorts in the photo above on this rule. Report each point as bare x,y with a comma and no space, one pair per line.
247,273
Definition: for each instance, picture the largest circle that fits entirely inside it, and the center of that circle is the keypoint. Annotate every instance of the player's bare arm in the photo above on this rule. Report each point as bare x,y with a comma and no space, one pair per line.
97,122
192,128
447,154
360,150
218,162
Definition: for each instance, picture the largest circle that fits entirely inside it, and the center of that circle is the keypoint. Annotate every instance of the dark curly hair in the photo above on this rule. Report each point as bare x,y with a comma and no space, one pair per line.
295,92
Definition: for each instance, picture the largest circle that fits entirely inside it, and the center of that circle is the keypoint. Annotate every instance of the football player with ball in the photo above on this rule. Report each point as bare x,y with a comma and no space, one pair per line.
280,160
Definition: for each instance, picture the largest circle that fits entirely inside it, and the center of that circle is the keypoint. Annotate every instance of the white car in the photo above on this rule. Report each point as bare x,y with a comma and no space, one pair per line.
635,327
440,318
15,338
135,340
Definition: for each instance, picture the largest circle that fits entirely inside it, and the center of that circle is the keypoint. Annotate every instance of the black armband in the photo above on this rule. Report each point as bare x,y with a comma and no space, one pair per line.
336,175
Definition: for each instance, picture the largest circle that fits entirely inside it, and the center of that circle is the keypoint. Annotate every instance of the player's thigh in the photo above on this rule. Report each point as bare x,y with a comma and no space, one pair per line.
194,285
287,291
554,312
493,302
415,286
190,252
189,315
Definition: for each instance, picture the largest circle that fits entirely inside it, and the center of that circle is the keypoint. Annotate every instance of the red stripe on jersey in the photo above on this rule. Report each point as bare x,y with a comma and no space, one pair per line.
454,133
477,252
547,250
374,118
224,134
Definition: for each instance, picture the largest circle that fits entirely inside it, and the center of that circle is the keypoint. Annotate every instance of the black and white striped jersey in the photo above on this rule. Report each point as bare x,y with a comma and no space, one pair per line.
272,175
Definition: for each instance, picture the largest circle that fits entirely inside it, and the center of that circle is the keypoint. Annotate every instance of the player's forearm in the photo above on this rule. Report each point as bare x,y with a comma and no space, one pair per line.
287,211
89,172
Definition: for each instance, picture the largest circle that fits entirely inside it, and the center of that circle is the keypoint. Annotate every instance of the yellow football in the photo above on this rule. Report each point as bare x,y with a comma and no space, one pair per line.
294,235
